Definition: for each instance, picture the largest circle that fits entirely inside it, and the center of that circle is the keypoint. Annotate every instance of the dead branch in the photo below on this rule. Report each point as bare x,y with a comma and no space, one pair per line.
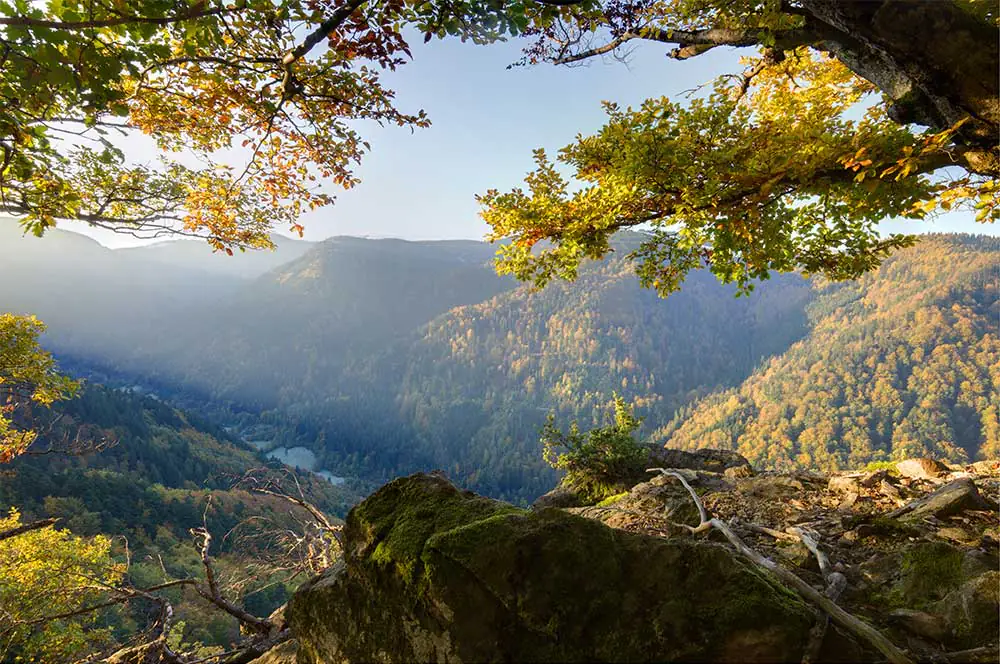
835,585
776,534
984,654
213,595
852,624
319,541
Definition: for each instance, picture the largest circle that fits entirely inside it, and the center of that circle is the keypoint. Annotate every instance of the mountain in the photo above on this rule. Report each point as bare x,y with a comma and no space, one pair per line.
299,325
198,256
476,383
904,362
167,472
384,357
393,356
97,301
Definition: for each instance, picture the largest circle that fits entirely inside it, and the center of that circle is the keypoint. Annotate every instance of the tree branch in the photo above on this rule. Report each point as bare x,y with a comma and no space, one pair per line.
28,527
707,39
321,32
212,593
29,22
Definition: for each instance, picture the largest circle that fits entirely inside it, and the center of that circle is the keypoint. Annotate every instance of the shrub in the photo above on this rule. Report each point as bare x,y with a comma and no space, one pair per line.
599,461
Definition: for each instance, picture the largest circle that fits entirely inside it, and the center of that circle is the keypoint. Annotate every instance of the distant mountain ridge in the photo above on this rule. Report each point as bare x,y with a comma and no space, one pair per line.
387,356
191,254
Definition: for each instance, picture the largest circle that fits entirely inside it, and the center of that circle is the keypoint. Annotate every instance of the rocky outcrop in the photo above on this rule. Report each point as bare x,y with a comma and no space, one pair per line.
431,573
710,460
920,554
727,462
923,469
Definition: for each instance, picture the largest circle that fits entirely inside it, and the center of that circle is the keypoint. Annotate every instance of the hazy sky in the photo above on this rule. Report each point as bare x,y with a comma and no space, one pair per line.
486,121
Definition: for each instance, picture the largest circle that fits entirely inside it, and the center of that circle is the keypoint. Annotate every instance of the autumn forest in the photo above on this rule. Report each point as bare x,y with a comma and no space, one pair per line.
191,422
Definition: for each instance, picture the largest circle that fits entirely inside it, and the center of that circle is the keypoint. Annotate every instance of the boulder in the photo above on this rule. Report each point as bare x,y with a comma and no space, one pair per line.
844,484
973,611
927,572
710,460
922,624
432,573
922,469
561,496
946,500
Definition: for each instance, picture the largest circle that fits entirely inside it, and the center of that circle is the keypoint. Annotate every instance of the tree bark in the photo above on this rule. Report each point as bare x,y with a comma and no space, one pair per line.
936,61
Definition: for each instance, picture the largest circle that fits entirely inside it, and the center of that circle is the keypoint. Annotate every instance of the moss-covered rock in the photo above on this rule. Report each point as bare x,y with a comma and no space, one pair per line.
432,573
973,611
928,572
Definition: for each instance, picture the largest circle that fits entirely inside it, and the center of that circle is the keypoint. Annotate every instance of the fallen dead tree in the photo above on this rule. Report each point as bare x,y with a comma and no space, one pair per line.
823,600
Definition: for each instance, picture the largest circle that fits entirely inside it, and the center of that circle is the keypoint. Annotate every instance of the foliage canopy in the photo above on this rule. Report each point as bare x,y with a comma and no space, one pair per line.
49,572
850,112
223,80
27,377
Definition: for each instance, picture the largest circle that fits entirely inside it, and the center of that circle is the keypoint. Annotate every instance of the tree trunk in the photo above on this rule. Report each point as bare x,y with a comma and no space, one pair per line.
937,62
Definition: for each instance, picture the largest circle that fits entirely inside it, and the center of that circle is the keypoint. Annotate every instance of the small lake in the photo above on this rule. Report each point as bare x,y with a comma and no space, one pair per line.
300,457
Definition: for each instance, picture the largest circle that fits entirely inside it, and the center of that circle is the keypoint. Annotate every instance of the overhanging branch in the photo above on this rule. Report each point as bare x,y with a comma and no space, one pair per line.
695,42
29,22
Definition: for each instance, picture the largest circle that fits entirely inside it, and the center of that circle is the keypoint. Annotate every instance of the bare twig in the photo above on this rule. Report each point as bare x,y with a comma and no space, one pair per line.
213,595
835,585
984,654
776,534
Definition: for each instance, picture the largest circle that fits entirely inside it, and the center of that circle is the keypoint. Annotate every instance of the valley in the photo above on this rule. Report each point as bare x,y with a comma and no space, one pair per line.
369,359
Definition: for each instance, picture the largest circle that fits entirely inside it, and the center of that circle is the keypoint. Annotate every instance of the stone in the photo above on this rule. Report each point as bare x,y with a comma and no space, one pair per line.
843,484
431,573
560,496
849,537
923,469
977,562
959,535
773,487
922,624
986,467
927,572
284,653
865,530
874,479
946,500
738,472
890,491
972,611
709,460
848,502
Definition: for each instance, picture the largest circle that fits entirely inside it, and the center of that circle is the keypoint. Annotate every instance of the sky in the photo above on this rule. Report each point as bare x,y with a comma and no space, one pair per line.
487,119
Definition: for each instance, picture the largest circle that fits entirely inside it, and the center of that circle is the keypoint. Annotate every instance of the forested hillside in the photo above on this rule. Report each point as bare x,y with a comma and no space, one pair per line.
382,357
476,384
164,473
292,332
904,362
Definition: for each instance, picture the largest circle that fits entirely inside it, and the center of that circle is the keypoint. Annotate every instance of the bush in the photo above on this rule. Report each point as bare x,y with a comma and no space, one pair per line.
600,462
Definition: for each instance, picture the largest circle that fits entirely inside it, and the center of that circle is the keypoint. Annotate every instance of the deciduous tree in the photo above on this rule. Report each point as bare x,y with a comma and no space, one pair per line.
847,112
27,378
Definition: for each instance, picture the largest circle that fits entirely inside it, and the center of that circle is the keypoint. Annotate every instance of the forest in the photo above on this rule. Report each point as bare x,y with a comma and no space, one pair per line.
715,267
461,376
